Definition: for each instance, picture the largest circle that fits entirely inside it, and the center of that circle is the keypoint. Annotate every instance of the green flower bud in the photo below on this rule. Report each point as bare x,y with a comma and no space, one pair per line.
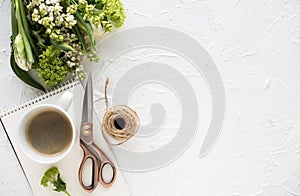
20,54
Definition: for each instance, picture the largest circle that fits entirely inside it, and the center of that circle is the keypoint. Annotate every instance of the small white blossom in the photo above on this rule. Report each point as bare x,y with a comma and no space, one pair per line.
69,21
48,31
43,9
50,9
57,8
55,1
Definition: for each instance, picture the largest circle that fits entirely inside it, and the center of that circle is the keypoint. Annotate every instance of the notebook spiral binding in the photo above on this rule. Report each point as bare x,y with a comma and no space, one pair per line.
41,96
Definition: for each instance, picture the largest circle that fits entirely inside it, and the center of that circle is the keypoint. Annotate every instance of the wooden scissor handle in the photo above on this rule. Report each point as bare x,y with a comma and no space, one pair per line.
95,171
103,162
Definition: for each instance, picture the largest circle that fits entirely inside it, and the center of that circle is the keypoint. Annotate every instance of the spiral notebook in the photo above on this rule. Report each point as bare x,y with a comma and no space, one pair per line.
69,166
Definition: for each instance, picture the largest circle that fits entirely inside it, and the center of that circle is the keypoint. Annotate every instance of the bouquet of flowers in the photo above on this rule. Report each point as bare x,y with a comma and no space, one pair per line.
52,36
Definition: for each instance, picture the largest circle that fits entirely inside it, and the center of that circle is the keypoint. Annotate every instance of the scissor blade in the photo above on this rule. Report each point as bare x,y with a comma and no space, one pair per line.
87,110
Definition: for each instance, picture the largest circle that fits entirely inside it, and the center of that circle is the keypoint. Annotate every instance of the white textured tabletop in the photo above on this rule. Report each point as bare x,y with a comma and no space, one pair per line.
255,45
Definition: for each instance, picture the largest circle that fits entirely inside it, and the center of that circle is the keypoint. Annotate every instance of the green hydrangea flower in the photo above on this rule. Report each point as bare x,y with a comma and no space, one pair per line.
107,13
52,70
114,11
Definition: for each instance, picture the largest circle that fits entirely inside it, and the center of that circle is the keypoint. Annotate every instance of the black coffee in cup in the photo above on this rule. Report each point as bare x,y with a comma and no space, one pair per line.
49,132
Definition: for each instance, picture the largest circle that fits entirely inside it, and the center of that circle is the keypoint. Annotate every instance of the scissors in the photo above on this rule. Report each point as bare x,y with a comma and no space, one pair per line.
90,149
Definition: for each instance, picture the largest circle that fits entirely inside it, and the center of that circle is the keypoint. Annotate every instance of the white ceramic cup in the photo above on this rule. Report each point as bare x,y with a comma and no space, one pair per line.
61,107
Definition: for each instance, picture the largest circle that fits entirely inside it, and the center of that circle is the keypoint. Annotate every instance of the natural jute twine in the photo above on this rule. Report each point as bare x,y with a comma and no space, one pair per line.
117,134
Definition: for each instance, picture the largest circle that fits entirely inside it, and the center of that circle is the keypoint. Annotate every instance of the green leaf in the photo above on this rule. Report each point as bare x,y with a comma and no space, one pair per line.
14,22
60,185
40,40
23,75
88,27
61,45
80,38
25,25
21,24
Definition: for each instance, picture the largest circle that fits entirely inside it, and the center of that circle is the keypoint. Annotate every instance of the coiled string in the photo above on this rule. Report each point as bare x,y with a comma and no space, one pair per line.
120,122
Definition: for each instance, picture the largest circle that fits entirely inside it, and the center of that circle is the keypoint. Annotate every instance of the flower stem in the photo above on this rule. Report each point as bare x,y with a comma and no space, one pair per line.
22,32
67,193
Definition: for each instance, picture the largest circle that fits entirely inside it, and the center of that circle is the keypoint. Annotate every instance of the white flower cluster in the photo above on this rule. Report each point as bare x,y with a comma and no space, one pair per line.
79,73
72,58
49,13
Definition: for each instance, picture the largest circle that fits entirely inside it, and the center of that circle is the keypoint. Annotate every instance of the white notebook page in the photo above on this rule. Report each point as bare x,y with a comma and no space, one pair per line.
69,166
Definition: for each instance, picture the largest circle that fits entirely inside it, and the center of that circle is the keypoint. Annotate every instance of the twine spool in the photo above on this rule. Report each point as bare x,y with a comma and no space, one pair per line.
120,123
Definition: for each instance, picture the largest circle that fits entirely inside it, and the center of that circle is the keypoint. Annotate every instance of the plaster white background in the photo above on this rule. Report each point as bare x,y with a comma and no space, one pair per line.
256,47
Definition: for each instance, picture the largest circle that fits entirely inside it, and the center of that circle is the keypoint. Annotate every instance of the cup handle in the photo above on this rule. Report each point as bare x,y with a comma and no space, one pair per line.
65,100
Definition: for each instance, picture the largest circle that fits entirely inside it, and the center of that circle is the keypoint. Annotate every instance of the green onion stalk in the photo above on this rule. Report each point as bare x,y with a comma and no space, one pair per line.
21,54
